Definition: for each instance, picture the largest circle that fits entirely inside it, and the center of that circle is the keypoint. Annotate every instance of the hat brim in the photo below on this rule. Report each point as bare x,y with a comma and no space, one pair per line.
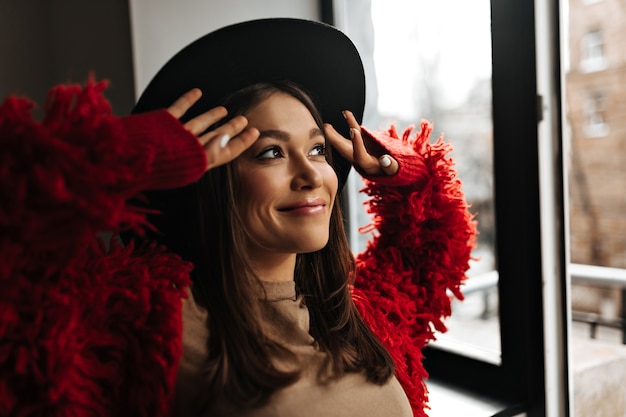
316,56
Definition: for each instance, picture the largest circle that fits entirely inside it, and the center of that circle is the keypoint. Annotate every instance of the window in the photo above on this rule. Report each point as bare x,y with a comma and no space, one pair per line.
593,58
447,81
533,213
595,118
596,203
500,163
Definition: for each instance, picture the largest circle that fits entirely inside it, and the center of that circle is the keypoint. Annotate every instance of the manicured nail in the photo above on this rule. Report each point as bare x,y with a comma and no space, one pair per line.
224,141
345,116
385,161
352,132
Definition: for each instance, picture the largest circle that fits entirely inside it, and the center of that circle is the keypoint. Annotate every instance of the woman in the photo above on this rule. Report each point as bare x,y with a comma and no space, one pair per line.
275,229
271,324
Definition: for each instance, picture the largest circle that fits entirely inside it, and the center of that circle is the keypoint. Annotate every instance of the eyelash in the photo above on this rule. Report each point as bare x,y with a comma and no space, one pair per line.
321,147
277,152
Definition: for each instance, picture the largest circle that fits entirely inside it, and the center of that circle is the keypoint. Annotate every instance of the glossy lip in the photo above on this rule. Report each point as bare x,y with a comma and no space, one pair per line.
307,206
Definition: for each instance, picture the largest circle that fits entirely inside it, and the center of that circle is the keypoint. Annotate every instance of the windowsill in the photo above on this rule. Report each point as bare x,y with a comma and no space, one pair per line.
596,131
598,367
446,400
593,65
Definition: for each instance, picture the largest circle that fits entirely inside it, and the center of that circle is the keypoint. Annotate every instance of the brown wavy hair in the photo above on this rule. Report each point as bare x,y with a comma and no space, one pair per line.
202,224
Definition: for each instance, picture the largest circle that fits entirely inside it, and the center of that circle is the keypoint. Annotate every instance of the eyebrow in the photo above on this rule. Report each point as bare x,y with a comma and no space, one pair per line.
284,136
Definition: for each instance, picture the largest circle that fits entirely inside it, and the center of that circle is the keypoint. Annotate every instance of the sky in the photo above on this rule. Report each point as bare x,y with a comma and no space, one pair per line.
407,31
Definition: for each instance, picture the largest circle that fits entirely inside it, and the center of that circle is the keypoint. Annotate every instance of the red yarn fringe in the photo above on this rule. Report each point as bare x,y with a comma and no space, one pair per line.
425,235
84,331
70,173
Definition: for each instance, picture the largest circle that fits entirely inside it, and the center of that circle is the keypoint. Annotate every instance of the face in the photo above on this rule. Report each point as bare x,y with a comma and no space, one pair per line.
287,186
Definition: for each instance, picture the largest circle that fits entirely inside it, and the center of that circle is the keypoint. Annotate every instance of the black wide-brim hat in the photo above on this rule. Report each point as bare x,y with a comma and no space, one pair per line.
316,56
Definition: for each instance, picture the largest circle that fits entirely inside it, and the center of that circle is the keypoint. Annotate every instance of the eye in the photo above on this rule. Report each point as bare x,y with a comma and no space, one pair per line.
319,149
272,152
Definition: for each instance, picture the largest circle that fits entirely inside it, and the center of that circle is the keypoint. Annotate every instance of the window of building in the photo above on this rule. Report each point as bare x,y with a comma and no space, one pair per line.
593,58
595,115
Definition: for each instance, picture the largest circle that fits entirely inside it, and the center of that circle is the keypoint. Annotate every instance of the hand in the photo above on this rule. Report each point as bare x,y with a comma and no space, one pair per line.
223,144
364,156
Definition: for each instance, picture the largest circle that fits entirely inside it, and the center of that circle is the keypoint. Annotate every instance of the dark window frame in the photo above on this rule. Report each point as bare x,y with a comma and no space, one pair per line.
520,378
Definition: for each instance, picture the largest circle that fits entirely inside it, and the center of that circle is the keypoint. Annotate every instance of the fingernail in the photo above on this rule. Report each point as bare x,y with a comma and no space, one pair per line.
385,161
352,131
224,141
345,116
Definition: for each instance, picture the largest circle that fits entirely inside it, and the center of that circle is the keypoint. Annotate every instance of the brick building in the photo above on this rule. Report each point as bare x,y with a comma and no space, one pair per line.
596,115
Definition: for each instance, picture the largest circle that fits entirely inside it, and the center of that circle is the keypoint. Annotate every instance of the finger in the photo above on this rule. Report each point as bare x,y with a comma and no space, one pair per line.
388,164
202,122
362,158
184,103
360,152
237,145
352,122
361,155
216,155
225,132
341,144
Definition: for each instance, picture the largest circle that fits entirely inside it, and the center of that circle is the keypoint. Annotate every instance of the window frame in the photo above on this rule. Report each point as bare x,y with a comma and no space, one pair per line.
518,226
520,379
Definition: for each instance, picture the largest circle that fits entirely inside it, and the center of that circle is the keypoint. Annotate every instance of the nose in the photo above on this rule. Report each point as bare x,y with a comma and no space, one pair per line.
306,175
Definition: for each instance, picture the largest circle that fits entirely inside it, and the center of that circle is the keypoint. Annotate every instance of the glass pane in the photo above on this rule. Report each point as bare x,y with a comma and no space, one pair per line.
596,122
594,67
424,62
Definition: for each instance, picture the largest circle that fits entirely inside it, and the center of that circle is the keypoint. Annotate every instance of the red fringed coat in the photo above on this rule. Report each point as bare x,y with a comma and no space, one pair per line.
87,330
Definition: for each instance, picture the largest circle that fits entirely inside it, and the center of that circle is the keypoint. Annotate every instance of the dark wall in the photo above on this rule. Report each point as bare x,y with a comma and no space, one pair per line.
44,43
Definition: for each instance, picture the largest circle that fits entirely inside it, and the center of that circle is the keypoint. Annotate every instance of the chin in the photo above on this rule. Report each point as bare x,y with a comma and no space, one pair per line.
313,246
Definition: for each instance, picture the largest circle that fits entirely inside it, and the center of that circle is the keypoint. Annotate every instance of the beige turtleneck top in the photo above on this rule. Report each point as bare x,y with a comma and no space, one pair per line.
351,395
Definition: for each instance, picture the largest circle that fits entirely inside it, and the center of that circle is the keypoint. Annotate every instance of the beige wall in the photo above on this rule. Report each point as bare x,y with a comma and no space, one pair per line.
160,28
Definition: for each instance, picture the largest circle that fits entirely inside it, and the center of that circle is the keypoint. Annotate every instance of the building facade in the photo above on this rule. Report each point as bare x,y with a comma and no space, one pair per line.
596,117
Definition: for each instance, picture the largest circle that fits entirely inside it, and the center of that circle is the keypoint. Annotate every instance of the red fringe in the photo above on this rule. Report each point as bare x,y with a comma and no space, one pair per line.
86,332
69,174
83,331
102,339
425,235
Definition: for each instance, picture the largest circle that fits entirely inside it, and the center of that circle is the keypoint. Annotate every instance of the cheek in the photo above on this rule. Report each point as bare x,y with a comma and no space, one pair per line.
250,208
248,198
257,192
330,179
245,192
